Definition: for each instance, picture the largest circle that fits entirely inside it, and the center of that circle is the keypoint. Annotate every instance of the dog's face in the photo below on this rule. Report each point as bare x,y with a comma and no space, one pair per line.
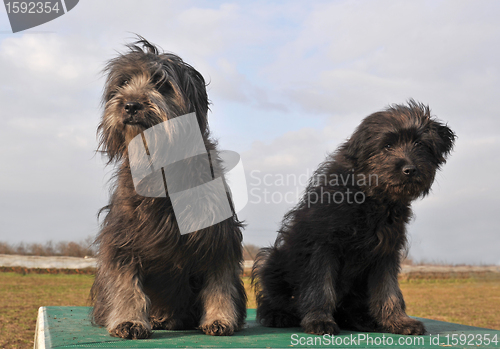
403,147
143,88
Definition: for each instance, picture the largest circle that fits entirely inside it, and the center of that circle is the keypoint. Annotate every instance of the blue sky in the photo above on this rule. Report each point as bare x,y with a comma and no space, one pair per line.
289,82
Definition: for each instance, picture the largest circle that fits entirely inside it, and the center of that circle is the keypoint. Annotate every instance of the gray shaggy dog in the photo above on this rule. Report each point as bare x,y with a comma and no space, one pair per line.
336,260
149,276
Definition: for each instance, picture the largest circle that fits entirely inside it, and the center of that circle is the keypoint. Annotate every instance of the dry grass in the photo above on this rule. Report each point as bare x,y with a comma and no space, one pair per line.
22,295
250,293
470,302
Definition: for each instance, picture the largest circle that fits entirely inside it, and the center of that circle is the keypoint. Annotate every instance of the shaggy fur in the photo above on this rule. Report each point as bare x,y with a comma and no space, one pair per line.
150,276
336,260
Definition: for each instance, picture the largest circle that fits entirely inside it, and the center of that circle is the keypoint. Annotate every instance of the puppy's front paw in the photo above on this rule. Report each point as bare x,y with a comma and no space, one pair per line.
407,326
131,330
218,328
321,327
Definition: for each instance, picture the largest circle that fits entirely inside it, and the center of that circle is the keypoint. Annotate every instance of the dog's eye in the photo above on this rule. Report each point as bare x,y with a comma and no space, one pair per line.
417,144
164,87
125,83
159,81
388,146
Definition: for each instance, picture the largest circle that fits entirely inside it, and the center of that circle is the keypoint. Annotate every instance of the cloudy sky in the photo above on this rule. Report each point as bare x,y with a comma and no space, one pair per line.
289,82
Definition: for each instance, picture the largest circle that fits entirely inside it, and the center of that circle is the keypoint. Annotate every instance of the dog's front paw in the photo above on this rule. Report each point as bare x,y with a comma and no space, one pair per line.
169,324
218,328
157,324
279,318
321,327
407,326
131,330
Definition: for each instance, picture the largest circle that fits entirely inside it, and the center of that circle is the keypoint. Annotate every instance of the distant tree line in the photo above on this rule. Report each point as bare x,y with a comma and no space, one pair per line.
83,248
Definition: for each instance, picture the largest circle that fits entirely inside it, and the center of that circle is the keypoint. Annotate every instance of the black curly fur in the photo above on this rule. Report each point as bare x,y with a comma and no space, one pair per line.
335,262
150,276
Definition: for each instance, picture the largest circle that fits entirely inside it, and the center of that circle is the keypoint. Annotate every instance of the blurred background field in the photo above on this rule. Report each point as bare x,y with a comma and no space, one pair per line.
471,301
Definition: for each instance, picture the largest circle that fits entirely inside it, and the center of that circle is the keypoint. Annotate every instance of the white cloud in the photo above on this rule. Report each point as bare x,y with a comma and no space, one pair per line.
47,56
352,54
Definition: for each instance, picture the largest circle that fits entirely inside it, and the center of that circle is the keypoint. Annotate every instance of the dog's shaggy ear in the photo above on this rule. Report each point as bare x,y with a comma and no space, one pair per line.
191,86
196,96
351,149
361,144
444,140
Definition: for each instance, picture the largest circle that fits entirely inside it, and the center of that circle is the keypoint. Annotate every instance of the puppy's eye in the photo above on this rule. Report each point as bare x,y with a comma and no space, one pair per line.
124,83
388,147
417,144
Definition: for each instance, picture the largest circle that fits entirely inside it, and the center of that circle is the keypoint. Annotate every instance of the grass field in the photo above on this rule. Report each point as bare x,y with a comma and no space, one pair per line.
473,302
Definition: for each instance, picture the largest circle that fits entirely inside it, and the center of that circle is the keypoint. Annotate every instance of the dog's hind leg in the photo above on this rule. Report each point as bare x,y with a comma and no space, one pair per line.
223,300
126,306
386,302
273,294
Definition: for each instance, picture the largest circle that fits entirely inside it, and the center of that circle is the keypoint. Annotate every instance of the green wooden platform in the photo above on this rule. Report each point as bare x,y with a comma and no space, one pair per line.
69,327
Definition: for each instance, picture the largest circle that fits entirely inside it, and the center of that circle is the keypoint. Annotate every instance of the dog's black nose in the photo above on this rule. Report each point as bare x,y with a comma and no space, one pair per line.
131,108
409,170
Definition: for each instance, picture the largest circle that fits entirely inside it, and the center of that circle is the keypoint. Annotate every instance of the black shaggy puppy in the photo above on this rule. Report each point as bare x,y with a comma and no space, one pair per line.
149,275
336,260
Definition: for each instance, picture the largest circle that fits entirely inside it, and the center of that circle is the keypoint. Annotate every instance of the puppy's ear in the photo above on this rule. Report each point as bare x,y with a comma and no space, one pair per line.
351,149
356,148
444,140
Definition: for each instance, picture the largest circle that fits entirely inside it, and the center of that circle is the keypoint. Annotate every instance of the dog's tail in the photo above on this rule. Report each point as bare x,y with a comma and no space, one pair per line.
257,276
273,294
258,264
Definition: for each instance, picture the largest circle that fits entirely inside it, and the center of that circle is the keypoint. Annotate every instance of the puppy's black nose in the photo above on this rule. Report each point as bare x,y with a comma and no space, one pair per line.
131,108
409,170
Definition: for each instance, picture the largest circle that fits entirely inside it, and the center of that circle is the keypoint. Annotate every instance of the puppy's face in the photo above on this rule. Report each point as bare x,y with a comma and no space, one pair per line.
144,88
403,146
